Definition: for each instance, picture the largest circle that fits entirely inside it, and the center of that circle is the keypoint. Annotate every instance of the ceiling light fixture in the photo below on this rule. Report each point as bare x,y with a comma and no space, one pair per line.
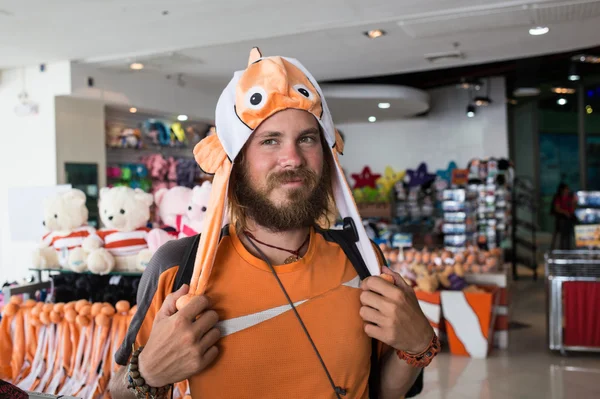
471,111
573,74
375,33
539,30
482,101
586,58
384,105
137,66
182,118
372,119
133,110
562,101
589,109
563,90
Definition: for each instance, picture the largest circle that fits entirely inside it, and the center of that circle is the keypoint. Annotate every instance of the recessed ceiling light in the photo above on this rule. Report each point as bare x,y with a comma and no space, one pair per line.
482,101
133,110
372,119
589,109
375,33
182,118
136,66
471,111
574,77
526,92
384,105
539,30
562,101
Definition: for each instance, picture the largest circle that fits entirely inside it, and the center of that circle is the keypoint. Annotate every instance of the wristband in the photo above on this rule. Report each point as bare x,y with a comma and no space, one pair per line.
421,360
137,384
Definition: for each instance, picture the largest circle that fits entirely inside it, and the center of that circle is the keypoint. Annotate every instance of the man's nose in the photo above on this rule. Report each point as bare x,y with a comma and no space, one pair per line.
291,156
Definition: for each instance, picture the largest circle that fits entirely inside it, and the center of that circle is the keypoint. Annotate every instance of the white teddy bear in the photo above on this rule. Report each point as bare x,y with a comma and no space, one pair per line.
121,244
65,218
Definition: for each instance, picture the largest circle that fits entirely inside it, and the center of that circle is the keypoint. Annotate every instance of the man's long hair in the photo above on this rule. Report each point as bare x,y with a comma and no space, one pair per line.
238,214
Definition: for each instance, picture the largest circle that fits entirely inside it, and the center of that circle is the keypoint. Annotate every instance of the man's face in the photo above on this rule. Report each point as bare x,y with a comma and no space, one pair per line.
282,183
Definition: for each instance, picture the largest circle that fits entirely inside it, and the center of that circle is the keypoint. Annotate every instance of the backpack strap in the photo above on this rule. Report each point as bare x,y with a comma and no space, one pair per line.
186,269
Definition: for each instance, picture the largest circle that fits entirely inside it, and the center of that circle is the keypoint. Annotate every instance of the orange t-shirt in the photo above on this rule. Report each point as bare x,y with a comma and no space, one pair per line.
263,351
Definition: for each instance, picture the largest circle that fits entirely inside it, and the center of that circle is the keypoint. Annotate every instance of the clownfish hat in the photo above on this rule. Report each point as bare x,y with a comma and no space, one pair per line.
268,85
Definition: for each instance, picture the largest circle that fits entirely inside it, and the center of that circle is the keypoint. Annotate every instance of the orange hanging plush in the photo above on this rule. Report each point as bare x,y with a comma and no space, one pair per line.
268,85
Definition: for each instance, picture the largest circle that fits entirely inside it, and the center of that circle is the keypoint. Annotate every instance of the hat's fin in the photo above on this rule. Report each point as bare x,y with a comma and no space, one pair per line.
255,55
211,157
347,208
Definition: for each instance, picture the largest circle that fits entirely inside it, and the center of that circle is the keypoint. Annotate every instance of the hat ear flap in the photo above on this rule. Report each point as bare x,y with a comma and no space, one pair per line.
339,142
210,154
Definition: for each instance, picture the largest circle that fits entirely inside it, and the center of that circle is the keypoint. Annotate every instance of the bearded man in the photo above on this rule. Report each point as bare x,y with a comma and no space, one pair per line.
275,305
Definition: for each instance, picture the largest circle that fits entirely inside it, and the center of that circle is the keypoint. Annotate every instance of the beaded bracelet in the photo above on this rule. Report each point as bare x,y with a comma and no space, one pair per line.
137,384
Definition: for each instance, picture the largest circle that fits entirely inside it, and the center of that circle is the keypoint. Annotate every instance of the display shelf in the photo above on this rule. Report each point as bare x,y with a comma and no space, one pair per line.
113,273
523,195
587,215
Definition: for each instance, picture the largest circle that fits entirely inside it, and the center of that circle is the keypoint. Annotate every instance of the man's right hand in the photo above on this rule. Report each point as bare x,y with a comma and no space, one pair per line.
181,343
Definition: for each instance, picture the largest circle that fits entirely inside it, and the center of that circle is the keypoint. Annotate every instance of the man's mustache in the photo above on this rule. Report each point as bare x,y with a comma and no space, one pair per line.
307,176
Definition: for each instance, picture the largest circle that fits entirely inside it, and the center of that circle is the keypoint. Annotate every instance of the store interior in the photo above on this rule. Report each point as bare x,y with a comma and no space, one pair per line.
460,122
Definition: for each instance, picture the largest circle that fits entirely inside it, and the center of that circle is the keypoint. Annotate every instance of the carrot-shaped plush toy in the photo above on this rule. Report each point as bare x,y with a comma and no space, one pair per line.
268,85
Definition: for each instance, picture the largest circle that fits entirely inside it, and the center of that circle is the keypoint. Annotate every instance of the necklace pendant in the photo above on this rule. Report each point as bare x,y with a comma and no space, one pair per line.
290,259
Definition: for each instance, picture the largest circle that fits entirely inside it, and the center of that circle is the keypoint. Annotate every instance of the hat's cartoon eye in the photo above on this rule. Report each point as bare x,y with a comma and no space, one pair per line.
256,98
300,88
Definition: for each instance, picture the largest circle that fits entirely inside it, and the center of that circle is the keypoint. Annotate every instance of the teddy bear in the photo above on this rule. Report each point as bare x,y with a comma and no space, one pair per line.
172,206
196,210
65,219
122,243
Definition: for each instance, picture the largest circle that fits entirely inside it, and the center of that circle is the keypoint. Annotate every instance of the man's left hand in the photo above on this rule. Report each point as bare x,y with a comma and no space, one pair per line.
392,314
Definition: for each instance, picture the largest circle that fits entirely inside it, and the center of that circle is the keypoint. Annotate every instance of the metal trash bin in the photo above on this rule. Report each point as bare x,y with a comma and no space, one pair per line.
563,268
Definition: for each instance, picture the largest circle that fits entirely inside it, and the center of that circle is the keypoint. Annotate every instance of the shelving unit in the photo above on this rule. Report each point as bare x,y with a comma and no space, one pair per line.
523,198
587,230
459,207
67,271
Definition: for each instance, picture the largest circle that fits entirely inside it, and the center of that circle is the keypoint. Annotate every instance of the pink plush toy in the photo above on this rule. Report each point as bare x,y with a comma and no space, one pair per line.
196,210
172,207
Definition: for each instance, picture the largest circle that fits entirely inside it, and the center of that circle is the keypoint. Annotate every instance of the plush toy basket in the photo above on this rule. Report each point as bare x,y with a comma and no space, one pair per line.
470,318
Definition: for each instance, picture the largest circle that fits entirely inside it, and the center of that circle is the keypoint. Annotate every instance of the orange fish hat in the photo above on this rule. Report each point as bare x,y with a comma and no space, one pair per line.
268,85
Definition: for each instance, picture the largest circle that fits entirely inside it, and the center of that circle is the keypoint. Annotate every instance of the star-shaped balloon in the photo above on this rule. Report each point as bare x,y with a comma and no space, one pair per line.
365,178
386,182
420,176
446,175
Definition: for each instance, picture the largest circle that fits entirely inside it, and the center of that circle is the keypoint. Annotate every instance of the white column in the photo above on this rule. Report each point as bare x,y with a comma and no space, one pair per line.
28,148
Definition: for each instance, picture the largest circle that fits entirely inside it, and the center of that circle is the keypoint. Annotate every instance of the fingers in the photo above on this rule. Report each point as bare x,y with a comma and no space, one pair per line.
210,355
373,300
397,278
371,315
374,331
205,323
380,286
210,339
168,307
195,307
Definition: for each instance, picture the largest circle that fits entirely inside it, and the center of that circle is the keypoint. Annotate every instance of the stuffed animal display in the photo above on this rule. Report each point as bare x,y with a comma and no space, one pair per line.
172,205
65,219
122,243
432,270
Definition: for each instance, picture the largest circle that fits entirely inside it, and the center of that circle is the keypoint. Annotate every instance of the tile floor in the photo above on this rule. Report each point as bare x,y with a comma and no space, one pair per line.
527,370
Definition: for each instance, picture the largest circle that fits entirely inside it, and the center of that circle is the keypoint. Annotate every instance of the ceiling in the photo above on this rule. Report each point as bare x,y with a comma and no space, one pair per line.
206,41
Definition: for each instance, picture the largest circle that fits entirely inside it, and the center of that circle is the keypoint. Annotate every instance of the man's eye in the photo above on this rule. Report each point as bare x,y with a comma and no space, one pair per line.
308,139
269,142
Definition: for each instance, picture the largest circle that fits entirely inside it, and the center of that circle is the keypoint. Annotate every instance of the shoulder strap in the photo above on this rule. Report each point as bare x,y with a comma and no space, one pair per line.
186,269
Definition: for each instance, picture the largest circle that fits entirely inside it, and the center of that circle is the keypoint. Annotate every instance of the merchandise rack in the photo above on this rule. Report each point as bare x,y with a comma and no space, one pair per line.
587,214
523,199
459,218
67,271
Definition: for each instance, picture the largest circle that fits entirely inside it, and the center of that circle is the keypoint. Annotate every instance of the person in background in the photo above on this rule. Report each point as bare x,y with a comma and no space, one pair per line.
563,209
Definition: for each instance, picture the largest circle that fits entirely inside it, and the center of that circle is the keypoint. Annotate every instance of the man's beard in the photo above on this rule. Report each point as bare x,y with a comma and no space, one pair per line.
302,208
